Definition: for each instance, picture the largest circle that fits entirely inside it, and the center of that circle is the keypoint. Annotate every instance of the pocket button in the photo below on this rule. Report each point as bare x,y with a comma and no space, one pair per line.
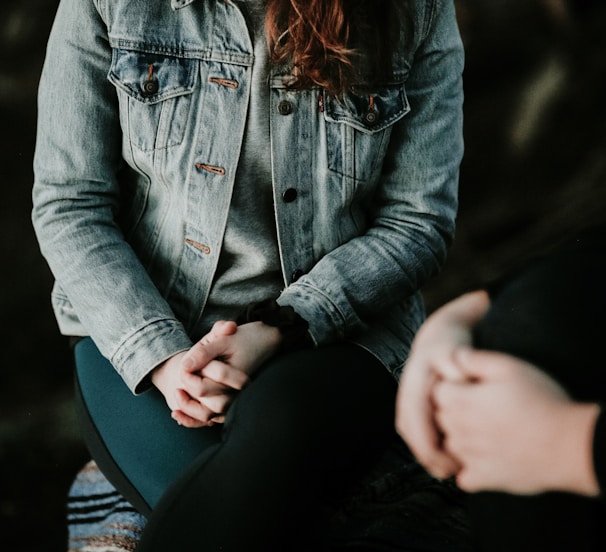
150,87
371,117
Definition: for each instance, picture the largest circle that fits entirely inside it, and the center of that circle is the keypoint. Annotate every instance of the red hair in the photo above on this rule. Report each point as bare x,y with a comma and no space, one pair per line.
327,41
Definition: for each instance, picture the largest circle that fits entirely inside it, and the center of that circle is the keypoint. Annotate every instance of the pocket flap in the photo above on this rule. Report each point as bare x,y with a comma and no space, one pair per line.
152,77
369,110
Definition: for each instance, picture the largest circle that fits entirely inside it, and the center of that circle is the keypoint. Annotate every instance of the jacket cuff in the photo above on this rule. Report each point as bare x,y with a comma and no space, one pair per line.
147,348
293,327
326,325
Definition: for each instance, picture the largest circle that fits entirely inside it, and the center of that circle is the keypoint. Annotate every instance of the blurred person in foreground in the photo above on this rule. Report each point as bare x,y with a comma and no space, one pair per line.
504,391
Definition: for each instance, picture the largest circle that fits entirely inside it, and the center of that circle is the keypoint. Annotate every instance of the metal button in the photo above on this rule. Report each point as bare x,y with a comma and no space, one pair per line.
296,275
150,87
289,195
285,107
371,116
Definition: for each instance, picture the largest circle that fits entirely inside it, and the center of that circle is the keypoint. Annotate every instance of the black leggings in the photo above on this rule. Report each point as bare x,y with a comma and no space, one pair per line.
309,425
550,313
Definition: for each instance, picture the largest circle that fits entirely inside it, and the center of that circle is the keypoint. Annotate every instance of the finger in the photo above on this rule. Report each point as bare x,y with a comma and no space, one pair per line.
187,421
479,365
225,374
191,407
450,400
471,306
454,447
415,423
220,328
200,355
448,369
467,482
193,383
218,404
198,386
437,459
425,442
224,327
439,463
453,420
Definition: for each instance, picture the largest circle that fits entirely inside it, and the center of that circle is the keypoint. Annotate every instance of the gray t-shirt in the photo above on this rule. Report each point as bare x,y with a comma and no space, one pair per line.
249,265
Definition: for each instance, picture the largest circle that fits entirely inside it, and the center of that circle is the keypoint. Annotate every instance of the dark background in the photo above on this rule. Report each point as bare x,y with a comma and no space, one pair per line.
534,171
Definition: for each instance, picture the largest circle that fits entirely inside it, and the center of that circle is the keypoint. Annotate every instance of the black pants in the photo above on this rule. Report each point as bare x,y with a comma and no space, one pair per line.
309,424
551,313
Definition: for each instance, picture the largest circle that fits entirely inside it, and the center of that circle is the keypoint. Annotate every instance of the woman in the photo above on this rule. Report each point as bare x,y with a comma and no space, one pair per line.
518,418
290,165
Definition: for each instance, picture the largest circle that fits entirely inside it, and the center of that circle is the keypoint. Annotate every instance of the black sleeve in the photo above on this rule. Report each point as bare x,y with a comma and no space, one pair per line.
599,450
550,312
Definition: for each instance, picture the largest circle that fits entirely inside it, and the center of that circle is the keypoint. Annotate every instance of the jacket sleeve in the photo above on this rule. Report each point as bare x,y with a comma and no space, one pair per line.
75,201
412,220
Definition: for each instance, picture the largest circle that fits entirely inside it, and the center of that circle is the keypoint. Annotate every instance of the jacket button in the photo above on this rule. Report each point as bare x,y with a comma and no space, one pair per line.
371,117
296,275
150,87
289,195
285,107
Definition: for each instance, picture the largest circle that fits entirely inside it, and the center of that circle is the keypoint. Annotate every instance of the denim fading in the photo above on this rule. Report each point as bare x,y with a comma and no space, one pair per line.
142,106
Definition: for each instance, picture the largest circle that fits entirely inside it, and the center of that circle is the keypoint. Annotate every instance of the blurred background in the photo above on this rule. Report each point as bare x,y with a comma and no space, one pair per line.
534,171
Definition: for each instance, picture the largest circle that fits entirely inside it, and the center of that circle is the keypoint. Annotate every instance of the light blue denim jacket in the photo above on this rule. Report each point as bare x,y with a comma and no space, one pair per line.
142,106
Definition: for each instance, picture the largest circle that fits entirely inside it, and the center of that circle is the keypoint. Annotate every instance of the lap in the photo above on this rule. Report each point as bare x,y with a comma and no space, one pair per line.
324,398
133,435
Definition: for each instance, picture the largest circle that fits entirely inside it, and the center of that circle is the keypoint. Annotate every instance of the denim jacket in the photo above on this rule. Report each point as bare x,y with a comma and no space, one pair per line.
142,105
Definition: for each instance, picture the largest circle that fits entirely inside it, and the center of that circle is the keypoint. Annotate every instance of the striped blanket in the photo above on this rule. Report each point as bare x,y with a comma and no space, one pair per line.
399,508
98,517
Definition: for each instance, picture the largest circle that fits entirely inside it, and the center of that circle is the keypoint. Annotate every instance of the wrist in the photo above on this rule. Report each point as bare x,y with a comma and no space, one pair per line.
291,327
272,336
158,374
577,472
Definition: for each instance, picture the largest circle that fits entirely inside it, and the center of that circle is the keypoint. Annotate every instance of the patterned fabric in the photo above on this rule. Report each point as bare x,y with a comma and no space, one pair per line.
99,518
397,508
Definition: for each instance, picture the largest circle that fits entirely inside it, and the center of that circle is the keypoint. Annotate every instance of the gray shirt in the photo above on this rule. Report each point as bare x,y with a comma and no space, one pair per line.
249,265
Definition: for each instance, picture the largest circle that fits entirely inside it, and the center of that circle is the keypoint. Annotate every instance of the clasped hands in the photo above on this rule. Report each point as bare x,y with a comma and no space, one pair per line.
492,421
199,385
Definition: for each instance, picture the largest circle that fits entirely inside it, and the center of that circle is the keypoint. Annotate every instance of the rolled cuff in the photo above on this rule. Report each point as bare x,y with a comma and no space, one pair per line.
147,348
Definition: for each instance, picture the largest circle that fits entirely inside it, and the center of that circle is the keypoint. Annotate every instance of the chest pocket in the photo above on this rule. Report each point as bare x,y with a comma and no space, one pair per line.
154,92
358,127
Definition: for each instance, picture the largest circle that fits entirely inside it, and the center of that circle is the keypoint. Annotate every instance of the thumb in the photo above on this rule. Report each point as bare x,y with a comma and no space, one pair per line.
201,354
448,369
480,365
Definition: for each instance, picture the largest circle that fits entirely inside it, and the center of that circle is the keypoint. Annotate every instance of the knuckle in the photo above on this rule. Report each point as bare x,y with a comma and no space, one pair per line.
222,371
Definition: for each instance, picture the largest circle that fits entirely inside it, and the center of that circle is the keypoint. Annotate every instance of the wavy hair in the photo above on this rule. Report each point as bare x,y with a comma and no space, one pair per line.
334,44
